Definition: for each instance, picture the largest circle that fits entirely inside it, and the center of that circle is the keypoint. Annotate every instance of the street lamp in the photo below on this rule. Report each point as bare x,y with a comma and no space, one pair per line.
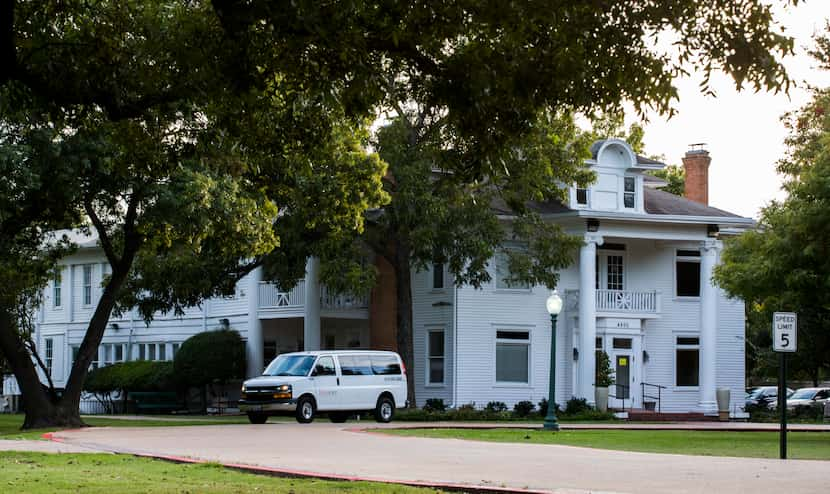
554,307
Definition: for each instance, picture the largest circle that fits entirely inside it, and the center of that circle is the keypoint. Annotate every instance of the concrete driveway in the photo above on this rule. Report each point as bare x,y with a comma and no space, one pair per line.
340,450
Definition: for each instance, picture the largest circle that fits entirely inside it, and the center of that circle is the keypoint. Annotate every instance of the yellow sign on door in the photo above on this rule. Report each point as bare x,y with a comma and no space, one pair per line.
623,361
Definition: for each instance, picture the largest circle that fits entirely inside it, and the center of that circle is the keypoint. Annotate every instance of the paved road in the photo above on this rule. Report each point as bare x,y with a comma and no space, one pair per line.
325,448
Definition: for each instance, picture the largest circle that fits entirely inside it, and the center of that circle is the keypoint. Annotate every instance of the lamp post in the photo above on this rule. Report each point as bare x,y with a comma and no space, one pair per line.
554,306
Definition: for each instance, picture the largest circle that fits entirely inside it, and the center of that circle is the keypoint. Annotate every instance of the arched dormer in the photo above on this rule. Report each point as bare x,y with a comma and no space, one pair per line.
619,180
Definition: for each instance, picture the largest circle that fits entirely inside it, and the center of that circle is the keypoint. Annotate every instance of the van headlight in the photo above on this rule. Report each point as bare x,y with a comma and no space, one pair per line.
244,387
283,392
284,388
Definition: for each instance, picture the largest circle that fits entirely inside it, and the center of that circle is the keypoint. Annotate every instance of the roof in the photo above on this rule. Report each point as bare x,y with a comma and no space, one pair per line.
664,203
550,207
84,240
641,160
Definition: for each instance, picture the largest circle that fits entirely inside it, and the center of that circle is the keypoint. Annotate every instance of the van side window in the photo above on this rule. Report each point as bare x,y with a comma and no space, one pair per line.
355,365
324,367
385,365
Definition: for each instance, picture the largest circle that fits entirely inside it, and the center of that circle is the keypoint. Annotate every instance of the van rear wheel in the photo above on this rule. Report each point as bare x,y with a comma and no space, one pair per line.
385,409
257,418
305,410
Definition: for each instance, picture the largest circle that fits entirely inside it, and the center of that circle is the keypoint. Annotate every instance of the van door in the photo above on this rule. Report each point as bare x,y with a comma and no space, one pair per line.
357,382
326,383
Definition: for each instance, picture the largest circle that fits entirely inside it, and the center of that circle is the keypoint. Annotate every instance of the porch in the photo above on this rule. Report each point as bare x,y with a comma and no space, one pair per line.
620,303
275,303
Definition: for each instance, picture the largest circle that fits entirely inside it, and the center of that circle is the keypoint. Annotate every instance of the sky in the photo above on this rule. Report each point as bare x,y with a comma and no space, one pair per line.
743,131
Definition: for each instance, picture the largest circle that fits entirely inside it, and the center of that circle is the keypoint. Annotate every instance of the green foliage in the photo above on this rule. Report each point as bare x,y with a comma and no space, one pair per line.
434,405
675,176
576,406
137,375
524,408
495,407
210,357
604,373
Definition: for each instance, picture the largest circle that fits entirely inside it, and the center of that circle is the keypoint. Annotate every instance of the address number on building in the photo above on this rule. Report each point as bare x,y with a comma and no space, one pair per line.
784,332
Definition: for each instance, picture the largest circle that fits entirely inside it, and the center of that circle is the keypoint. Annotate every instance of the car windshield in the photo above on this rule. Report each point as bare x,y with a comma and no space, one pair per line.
803,394
755,393
290,365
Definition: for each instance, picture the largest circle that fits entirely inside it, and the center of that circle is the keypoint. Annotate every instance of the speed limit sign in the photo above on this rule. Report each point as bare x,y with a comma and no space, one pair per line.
784,331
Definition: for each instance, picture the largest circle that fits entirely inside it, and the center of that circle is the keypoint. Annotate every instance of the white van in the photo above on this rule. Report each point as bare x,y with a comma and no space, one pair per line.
338,382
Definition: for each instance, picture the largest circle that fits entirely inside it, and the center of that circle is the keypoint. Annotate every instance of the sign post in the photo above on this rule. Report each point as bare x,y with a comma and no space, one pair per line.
784,341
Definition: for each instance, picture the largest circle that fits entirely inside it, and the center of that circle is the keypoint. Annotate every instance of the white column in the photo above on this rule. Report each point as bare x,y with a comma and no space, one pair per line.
254,345
708,327
311,321
587,316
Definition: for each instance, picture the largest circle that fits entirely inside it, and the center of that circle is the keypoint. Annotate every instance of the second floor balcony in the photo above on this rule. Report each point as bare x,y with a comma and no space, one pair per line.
292,302
641,303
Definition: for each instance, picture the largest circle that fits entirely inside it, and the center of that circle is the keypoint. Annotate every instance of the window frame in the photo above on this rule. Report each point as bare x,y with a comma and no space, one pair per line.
528,343
430,357
632,193
57,287
686,259
433,272
576,203
685,347
86,285
48,355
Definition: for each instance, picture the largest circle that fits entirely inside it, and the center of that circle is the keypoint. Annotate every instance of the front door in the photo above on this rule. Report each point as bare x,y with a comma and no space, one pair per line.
326,383
625,363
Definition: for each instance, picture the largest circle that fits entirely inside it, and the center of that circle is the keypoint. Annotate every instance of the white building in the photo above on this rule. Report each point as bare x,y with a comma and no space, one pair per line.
640,289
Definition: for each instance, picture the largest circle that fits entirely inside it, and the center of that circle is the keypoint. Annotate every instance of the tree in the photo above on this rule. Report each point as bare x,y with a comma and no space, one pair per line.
232,104
784,265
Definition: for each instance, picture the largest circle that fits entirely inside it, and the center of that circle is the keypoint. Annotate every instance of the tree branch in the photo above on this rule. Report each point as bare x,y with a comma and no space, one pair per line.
103,237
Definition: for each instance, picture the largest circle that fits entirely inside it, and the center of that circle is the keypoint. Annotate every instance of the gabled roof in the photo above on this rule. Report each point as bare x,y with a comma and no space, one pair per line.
660,202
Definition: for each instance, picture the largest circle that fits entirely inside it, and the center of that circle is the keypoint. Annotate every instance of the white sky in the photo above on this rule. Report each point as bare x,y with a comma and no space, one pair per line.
743,131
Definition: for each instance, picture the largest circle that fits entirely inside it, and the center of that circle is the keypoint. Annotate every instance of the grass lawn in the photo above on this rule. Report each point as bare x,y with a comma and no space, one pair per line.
103,473
10,424
801,445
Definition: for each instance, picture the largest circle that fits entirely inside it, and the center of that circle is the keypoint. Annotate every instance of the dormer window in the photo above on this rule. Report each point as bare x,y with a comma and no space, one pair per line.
581,196
629,190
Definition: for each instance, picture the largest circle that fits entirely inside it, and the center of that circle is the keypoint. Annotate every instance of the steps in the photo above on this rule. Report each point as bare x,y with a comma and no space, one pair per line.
641,415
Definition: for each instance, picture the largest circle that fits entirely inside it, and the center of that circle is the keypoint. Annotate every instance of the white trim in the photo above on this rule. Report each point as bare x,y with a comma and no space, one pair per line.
429,358
528,343
675,348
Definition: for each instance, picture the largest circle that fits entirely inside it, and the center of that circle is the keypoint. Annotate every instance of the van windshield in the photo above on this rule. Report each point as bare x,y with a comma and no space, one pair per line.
290,365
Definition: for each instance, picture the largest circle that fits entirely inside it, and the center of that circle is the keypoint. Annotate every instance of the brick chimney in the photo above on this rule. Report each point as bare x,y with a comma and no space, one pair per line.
696,165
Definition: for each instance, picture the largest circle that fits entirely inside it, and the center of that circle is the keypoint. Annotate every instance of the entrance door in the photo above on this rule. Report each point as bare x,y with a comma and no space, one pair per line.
625,362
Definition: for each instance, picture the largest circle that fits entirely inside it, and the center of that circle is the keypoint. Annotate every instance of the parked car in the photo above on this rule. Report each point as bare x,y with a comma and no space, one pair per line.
764,395
338,382
808,397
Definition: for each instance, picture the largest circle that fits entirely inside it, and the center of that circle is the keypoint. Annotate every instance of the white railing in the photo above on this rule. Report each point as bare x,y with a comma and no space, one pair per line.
271,297
628,301
335,301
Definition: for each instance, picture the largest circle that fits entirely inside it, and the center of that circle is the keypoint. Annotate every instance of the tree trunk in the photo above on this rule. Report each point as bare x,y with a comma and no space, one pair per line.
404,315
41,407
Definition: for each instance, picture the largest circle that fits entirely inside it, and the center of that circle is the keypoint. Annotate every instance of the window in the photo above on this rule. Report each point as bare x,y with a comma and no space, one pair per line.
50,353
385,365
687,361
151,352
581,196
435,352
355,365
109,354
75,349
142,352
503,273
119,353
87,287
175,348
163,351
622,343
437,276
687,273
56,290
629,191
513,357
324,367
96,359
615,272
598,344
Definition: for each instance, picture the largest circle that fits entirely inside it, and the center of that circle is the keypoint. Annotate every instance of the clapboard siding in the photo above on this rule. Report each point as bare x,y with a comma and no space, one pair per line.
432,309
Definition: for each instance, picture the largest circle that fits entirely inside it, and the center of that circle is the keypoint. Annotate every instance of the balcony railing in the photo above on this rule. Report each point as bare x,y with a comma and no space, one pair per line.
628,301
271,297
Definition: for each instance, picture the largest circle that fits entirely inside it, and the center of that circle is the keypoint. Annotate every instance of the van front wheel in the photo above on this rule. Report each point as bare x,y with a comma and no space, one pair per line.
305,410
385,409
257,418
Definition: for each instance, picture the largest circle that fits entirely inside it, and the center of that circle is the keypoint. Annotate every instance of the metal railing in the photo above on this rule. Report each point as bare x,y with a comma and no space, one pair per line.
340,301
628,301
659,393
622,393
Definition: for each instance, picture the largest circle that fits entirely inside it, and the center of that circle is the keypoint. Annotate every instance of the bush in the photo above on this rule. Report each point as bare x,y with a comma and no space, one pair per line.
576,406
523,408
496,407
435,405
604,372
543,408
209,358
139,375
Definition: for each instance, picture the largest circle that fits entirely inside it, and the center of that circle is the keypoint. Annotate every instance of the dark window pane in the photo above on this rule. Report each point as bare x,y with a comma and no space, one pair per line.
582,196
688,253
436,370
511,362
436,344
438,275
512,335
599,343
629,184
688,341
385,365
688,279
623,343
687,367
325,367
628,200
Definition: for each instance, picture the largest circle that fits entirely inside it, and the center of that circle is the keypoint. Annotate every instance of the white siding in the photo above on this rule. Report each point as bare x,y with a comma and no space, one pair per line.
432,309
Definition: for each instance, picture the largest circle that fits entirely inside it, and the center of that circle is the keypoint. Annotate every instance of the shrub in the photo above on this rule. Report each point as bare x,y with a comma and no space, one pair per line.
523,408
576,406
210,357
139,375
543,407
604,374
435,405
495,407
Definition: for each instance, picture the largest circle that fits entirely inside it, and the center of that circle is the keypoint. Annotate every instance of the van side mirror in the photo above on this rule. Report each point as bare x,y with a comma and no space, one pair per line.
314,372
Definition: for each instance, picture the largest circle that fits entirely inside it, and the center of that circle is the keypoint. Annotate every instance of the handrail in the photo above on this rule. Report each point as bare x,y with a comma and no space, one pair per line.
659,393
625,387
